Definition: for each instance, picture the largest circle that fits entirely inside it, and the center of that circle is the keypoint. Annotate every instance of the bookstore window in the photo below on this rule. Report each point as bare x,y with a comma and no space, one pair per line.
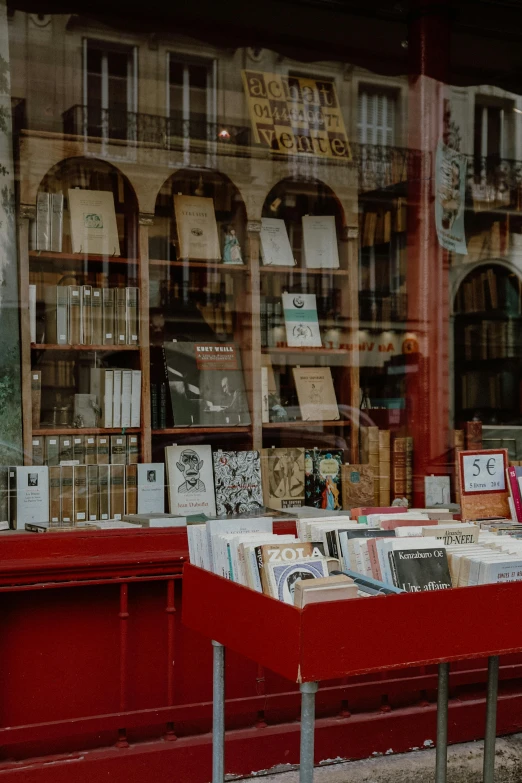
192,98
110,90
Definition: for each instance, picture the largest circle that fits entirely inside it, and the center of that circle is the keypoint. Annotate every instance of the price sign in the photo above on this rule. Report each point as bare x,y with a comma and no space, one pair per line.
483,471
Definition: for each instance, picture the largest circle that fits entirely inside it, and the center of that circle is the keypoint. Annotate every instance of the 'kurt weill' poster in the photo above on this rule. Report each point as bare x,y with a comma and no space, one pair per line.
206,384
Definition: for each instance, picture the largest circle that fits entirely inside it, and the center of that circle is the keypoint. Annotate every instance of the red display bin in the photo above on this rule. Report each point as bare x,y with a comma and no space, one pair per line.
359,636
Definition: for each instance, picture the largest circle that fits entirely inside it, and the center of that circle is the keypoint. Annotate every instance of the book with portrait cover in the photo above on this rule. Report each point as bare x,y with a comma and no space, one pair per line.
206,384
316,393
190,480
93,222
150,487
28,495
197,228
283,477
237,477
323,486
419,570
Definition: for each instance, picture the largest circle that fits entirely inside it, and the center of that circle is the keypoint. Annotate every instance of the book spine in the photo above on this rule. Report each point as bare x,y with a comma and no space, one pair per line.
154,406
86,322
265,399
515,492
132,318
66,448
116,398
43,221
56,222
93,506
79,449
117,490
4,493
135,401
126,397
131,489
102,450
80,493
133,450
121,319
108,398
67,494
97,316
104,494
36,397
75,315
90,450
32,313
108,316
38,451
55,495
118,449
52,450
163,406
384,467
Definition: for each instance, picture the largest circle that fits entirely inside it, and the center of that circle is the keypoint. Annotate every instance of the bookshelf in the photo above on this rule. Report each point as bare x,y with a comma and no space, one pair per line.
194,299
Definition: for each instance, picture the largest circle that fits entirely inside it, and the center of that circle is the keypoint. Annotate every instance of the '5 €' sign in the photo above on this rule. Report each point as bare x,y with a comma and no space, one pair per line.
484,471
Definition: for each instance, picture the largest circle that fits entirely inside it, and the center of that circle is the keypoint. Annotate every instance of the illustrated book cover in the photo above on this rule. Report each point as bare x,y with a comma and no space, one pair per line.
302,325
275,245
316,393
93,222
283,477
197,228
206,383
283,576
237,477
323,469
190,480
358,485
320,242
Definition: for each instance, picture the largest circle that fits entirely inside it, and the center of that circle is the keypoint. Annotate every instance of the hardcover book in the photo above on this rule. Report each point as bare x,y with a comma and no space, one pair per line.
36,397
274,243
206,384
237,477
151,488
283,576
196,228
418,570
302,325
320,242
283,477
190,480
131,489
28,495
358,487
316,393
323,483
93,222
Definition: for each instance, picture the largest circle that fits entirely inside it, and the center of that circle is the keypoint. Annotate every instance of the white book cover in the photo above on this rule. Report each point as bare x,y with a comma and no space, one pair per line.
93,222
190,480
126,398
320,242
233,527
32,313
29,495
136,399
301,322
275,245
437,491
116,399
197,228
316,393
151,487
108,397
56,222
43,221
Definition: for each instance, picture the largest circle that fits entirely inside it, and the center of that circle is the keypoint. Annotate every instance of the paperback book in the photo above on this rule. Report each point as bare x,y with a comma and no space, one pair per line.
190,480
283,477
93,222
316,393
237,476
323,486
275,245
197,228
301,322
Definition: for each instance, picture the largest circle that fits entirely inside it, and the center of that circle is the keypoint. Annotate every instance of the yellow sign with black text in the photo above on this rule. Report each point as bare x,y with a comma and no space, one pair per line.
296,115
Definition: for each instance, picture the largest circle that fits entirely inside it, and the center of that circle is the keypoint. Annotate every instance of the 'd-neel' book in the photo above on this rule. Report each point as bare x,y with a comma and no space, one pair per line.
206,384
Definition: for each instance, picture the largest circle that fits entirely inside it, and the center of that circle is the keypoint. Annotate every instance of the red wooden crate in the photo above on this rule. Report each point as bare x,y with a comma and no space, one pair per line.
335,639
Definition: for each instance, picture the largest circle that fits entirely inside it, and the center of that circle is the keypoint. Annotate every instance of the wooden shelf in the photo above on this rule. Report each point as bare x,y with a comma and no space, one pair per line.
275,425
311,351
299,270
85,430
199,430
50,257
50,347
209,265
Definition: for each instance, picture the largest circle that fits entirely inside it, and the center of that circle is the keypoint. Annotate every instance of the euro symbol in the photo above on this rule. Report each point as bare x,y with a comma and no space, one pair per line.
490,466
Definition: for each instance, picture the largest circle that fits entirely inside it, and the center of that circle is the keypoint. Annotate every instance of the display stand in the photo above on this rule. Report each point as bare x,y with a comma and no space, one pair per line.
417,630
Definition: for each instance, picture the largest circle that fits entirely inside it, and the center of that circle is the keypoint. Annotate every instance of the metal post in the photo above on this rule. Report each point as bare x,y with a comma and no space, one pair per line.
441,759
218,714
491,720
306,760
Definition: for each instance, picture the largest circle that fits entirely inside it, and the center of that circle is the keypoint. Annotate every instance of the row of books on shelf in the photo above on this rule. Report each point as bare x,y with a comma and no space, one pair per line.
52,450
487,290
38,497
492,340
85,315
112,398
489,389
414,551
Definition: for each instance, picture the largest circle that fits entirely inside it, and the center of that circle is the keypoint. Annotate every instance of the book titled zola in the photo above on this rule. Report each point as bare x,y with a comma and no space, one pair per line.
283,576
190,480
301,322
151,487
28,495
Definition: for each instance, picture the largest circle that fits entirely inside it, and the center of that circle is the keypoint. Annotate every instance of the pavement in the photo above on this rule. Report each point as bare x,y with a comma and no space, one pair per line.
464,766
